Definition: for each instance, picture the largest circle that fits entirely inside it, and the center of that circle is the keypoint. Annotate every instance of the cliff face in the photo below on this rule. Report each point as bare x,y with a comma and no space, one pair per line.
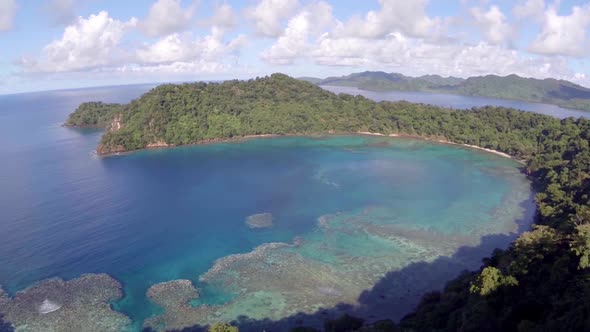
116,123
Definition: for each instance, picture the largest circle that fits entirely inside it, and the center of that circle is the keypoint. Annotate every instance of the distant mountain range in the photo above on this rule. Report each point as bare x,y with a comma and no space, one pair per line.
549,91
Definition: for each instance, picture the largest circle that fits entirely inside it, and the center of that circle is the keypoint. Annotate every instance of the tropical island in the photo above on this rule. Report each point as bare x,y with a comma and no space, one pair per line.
549,91
173,115
540,283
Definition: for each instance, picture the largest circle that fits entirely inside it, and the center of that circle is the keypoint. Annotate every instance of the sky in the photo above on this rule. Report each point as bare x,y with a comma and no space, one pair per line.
59,44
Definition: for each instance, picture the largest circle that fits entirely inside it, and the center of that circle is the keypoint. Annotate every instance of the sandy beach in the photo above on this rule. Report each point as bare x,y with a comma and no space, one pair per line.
442,141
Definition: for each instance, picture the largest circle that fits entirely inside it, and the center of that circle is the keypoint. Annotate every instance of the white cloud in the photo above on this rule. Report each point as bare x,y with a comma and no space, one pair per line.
224,16
183,47
171,48
493,24
7,14
268,15
530,8
88,43
177,67
398,35
378,41
296,38
412,56
581,79
563,35
94,44
407,17
166,17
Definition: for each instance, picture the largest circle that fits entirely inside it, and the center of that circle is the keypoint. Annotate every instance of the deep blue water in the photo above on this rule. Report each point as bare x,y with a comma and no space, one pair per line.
160,215
460,102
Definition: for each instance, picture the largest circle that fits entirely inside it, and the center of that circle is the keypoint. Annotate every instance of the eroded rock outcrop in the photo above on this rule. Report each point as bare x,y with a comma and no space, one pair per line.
116,123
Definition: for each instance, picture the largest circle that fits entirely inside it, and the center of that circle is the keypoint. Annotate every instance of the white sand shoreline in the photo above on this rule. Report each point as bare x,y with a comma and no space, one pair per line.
442,141
162,145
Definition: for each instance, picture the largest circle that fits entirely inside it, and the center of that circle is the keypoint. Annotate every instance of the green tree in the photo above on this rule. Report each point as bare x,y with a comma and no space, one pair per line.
345,323
489,280
222,327
580,245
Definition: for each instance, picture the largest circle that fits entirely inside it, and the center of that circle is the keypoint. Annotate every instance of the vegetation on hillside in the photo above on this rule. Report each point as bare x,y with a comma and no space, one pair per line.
192,113
93,115
222,327
550,91
541,283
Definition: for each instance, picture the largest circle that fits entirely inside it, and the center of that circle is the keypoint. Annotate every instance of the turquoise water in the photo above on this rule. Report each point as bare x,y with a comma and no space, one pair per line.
160,215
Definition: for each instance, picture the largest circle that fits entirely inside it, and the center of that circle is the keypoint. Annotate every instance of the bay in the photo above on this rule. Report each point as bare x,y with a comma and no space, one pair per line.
160,215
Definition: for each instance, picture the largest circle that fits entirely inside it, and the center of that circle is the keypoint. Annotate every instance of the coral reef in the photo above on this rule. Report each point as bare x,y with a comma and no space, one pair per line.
174,297
80,304
3,296
260,220
225,262
334,265
182,290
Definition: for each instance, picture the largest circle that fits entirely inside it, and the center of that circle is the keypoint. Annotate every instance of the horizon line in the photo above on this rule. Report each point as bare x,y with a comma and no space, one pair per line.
278,72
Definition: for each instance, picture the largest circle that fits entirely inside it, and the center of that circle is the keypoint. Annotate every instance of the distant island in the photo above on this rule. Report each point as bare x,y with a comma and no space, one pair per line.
549,91
540,283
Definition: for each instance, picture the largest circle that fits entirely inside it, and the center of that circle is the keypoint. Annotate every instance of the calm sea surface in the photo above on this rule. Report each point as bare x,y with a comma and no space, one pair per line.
160,215
460,102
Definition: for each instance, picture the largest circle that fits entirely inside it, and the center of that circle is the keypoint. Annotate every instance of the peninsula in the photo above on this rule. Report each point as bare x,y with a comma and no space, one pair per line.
172,115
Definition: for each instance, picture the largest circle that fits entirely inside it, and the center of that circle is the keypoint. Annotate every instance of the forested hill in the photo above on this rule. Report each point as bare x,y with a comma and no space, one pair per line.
196,112
541,283
550,91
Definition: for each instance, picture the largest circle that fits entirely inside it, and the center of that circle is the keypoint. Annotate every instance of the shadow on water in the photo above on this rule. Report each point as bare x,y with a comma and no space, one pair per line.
398,292
5,326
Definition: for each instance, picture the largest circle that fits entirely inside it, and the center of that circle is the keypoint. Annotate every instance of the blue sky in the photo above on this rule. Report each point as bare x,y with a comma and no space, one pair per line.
58,44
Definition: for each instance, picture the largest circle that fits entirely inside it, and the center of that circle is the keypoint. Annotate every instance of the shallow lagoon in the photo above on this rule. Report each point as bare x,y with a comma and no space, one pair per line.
345,211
